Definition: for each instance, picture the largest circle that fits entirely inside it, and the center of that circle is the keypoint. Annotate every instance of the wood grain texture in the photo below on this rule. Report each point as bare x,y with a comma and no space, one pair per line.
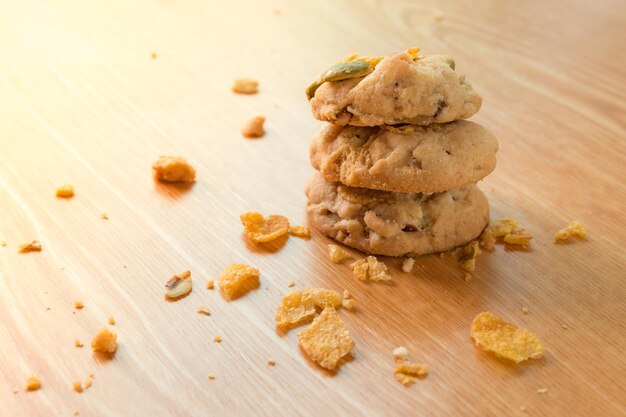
82,102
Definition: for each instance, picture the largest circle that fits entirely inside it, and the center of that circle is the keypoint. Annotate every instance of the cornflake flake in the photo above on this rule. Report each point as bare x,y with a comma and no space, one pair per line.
261,230
237,280
507,229
337,254
493,334
324,298
377,270
359,269
327,340
407,373
295,308
574,229
300,231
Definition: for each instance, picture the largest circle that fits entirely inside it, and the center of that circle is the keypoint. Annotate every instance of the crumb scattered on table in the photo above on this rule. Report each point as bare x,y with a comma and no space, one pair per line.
300,231
105,341
33,383
407,265
245,86
237,280
178,286
33,246
65,191
271,362
542,391
261,229
210,284
173,169
78,343
217,339
204,310
104,216
78,304
572,230
254,128
400,353
77,386
111,320
337,254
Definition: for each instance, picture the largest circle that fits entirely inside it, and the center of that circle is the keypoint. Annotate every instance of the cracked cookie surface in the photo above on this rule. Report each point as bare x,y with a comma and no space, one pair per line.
399,90
411,159
396,224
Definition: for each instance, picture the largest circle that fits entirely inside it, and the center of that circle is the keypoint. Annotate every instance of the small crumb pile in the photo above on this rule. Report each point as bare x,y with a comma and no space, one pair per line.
507,231
572,230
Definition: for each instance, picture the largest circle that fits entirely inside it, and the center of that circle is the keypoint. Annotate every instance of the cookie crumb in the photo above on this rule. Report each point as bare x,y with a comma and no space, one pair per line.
204,310
522,408
179,286
407,265
153,55
438,17
217,339
400,353
493,334
337,254
573,229
349,304
468,277
77,386
291,284
89,381
78,305
506,229
237,280
173,169
65,191
33,246
377,270
104,216
542,391
271,362
565,326
33,383
525,310
245,86
407,373
466,255
346,294
111,320
210,284
211,377
105,341
254,128
300,231
78,343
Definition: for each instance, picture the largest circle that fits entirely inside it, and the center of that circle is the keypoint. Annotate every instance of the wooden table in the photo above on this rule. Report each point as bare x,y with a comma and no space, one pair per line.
83,102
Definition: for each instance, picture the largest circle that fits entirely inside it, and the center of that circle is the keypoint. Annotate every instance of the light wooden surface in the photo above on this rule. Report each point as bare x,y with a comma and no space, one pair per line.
82,102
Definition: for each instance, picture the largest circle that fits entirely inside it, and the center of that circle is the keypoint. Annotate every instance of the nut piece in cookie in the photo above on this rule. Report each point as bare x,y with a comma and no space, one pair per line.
178,286
173,169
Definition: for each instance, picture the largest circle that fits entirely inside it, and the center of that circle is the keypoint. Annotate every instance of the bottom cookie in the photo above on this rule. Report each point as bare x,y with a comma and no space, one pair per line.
396,224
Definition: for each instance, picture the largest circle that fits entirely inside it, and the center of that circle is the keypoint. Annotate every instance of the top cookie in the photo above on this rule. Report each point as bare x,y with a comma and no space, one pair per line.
400,89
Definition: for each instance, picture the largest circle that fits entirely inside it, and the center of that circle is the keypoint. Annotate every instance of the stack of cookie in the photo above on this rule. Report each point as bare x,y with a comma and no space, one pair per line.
397,165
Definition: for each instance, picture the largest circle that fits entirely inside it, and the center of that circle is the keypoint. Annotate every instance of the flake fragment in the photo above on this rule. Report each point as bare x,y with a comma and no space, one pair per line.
359,269
78,343
493,334
237,280
466,255
508,230
574,229
295,308
324,298
78,304
377,270
327,340
77,386
271,362
337,254
407,373
261,230
349,304
217,339
300,231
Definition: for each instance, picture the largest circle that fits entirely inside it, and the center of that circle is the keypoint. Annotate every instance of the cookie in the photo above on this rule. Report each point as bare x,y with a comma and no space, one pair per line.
401,89
408,159
396,224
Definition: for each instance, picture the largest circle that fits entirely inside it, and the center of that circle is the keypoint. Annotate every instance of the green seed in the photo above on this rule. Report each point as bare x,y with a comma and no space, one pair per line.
338,72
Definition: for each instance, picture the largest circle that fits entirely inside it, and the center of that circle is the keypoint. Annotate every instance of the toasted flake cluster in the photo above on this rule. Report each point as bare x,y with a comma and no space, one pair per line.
261,229
245,86
493,334
238,279
506,229
337,254
65,191
254,128
574,229
173,169
299,307
178,286
33,246
105,341
371,269
327,340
